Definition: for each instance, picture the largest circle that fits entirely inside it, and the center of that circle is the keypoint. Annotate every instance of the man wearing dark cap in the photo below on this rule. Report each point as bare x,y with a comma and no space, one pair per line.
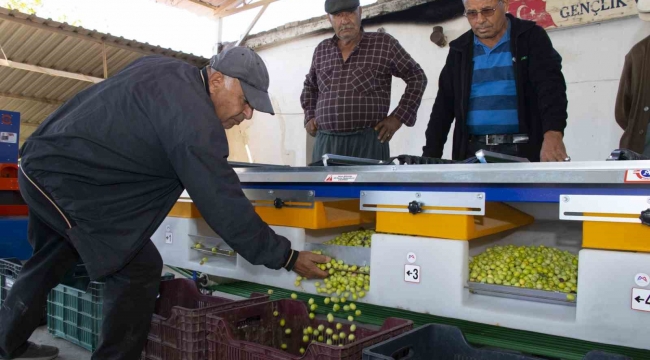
346,96
104,170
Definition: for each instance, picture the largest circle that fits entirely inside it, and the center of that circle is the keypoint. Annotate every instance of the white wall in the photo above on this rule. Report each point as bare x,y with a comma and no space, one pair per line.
593,59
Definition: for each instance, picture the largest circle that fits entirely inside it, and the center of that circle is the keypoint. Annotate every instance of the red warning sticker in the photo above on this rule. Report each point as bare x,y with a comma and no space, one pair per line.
638,176
341,178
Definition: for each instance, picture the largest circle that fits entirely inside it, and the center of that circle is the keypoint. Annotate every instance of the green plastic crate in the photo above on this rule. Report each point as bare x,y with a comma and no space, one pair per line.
76,315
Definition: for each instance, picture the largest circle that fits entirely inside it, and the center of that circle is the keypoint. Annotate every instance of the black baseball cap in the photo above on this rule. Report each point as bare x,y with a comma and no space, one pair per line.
247,66
335,6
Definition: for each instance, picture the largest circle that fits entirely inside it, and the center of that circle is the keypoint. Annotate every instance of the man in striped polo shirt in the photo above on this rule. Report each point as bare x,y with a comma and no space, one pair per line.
493,98
503,84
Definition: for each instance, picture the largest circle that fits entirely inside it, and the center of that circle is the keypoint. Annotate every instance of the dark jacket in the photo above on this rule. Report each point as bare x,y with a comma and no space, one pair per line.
633,100
541,91
116,157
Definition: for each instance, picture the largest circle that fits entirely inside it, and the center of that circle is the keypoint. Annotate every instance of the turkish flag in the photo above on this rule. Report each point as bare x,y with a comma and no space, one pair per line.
534,10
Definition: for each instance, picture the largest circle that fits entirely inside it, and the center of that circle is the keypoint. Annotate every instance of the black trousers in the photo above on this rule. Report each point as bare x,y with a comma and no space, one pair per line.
361,144
129,294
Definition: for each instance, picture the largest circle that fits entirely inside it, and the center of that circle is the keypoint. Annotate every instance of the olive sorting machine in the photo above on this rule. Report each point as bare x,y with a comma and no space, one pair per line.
431,219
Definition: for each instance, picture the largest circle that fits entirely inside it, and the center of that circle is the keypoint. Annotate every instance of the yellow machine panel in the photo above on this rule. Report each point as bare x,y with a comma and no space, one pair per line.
498,217
615,236
324,215
185,210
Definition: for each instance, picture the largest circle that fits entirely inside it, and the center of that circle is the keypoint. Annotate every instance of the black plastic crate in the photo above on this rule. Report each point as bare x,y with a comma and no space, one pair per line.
441,342
599,355
9,270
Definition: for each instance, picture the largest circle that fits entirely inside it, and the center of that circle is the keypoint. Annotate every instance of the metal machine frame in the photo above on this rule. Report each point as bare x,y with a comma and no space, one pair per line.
572,191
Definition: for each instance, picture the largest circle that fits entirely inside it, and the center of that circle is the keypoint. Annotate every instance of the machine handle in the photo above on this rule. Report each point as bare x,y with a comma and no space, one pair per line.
415,207
626,154
278,203
645,217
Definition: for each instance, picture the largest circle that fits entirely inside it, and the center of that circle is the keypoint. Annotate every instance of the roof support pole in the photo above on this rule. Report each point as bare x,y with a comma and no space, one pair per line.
48,71
104,61
250,27
229,12
31,98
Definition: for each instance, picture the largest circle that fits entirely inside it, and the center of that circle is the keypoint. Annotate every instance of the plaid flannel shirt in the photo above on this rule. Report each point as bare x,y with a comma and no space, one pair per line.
355,94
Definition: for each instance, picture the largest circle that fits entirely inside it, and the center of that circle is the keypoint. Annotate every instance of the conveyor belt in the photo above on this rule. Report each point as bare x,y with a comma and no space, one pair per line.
477,334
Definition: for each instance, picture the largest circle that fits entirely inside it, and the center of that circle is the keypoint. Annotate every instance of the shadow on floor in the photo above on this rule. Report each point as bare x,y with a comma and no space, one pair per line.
67,351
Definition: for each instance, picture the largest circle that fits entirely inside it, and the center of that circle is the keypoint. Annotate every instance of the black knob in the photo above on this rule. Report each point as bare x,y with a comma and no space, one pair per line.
278,203
645,217
415,207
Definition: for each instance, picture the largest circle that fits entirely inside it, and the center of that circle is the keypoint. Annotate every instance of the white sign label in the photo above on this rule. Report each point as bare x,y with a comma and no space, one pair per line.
638,176
168,238
9,283
7,137
410,257
412,273
641,299
341,178
642,279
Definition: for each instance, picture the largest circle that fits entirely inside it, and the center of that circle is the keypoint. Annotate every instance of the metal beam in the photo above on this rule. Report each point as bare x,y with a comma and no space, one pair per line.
225,5
233,5
30,125
215,50
30,98
48,71
203,3
229,12
250,27
104,61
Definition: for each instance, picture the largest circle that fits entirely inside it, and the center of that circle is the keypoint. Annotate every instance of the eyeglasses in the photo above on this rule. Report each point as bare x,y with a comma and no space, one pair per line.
486,12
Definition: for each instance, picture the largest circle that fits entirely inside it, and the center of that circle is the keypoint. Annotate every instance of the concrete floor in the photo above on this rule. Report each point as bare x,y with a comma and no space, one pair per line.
67,350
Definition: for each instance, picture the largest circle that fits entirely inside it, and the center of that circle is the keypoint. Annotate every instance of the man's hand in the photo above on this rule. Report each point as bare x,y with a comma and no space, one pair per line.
311,127
387,128
553,147
306,265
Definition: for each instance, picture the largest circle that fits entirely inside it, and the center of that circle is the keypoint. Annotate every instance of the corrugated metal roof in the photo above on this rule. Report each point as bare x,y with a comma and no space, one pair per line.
43,42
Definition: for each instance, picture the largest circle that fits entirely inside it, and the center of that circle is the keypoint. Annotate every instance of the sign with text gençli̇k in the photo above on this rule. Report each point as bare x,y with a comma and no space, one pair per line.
551,14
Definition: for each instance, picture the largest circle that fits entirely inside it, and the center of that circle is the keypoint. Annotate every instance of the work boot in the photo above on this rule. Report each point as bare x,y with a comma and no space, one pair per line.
38,352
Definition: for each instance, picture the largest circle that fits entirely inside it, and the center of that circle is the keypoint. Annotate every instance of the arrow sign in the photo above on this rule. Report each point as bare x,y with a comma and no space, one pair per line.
641,299
412,273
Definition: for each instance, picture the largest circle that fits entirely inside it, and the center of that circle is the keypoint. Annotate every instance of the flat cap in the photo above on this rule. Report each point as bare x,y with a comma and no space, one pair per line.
334,6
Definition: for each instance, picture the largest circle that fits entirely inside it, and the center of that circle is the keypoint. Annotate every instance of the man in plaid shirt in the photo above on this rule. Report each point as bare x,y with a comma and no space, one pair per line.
346,96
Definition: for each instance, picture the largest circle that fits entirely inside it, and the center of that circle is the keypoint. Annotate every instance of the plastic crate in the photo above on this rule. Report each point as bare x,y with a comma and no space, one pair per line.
9,270
76,315
599,355
441,342
178,328
253,332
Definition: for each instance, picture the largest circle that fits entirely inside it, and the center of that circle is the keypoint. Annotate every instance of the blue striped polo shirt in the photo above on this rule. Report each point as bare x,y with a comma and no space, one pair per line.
493,98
